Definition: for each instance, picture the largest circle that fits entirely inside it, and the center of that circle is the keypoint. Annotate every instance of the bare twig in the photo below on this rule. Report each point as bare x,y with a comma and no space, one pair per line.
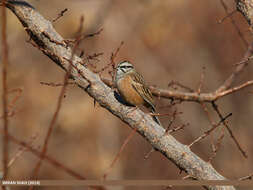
60,15
21,150
15,99
194,96
91,34
177,128
52,84
190,96
216,147
235,89
112,63
149,153
94,55
46,157
5,89
171,120
113,56
201,80
206,133
234,24
119,153
50,129
58,107
227,16
228,83
12,103
229,130
175,83
247,59
204,107
10,114
81,37
248,177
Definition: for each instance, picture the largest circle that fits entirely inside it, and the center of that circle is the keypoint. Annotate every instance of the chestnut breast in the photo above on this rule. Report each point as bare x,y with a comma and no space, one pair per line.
127,91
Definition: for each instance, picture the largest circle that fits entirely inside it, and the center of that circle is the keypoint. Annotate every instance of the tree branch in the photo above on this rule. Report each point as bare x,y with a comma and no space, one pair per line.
224,90
5,89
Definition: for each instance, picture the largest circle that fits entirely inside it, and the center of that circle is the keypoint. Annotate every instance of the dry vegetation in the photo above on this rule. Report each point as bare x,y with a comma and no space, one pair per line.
169,42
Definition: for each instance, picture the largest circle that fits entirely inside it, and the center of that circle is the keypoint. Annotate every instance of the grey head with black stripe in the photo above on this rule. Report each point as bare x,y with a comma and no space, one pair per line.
123,68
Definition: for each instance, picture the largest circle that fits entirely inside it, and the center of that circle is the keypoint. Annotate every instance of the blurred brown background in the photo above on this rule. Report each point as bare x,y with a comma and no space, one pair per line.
165,40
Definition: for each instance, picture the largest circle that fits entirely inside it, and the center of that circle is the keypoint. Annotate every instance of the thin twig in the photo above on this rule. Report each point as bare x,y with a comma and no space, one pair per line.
5,89
12,103
94,56
234,23
192,96
119,153
46,157
171,120
60,15
91,34
204,107
228,82
15,99
244,61
232,90
175,83
216,147
52,84
248,177
206,133
215,107
81,37
201,80
50,129
149,153
52,161
10,114
111,63
227,16
58,107
113,56
178,128
21,150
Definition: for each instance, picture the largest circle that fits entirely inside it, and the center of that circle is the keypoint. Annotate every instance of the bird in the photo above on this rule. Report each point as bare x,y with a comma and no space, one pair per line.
132,87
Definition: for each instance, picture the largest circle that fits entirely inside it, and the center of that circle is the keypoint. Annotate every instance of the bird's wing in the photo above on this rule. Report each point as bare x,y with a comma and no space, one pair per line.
142,89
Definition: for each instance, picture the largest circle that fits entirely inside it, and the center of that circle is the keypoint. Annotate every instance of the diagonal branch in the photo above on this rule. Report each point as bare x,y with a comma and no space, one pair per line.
58,107
228,83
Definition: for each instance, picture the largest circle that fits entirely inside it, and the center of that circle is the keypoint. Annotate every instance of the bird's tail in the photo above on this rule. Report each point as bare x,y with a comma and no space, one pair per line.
155,118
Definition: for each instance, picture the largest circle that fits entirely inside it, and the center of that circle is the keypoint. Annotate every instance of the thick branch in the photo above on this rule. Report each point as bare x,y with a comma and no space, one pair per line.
53,45
224,90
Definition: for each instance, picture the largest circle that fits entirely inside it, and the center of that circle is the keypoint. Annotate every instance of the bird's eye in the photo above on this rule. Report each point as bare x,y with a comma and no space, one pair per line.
126,67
